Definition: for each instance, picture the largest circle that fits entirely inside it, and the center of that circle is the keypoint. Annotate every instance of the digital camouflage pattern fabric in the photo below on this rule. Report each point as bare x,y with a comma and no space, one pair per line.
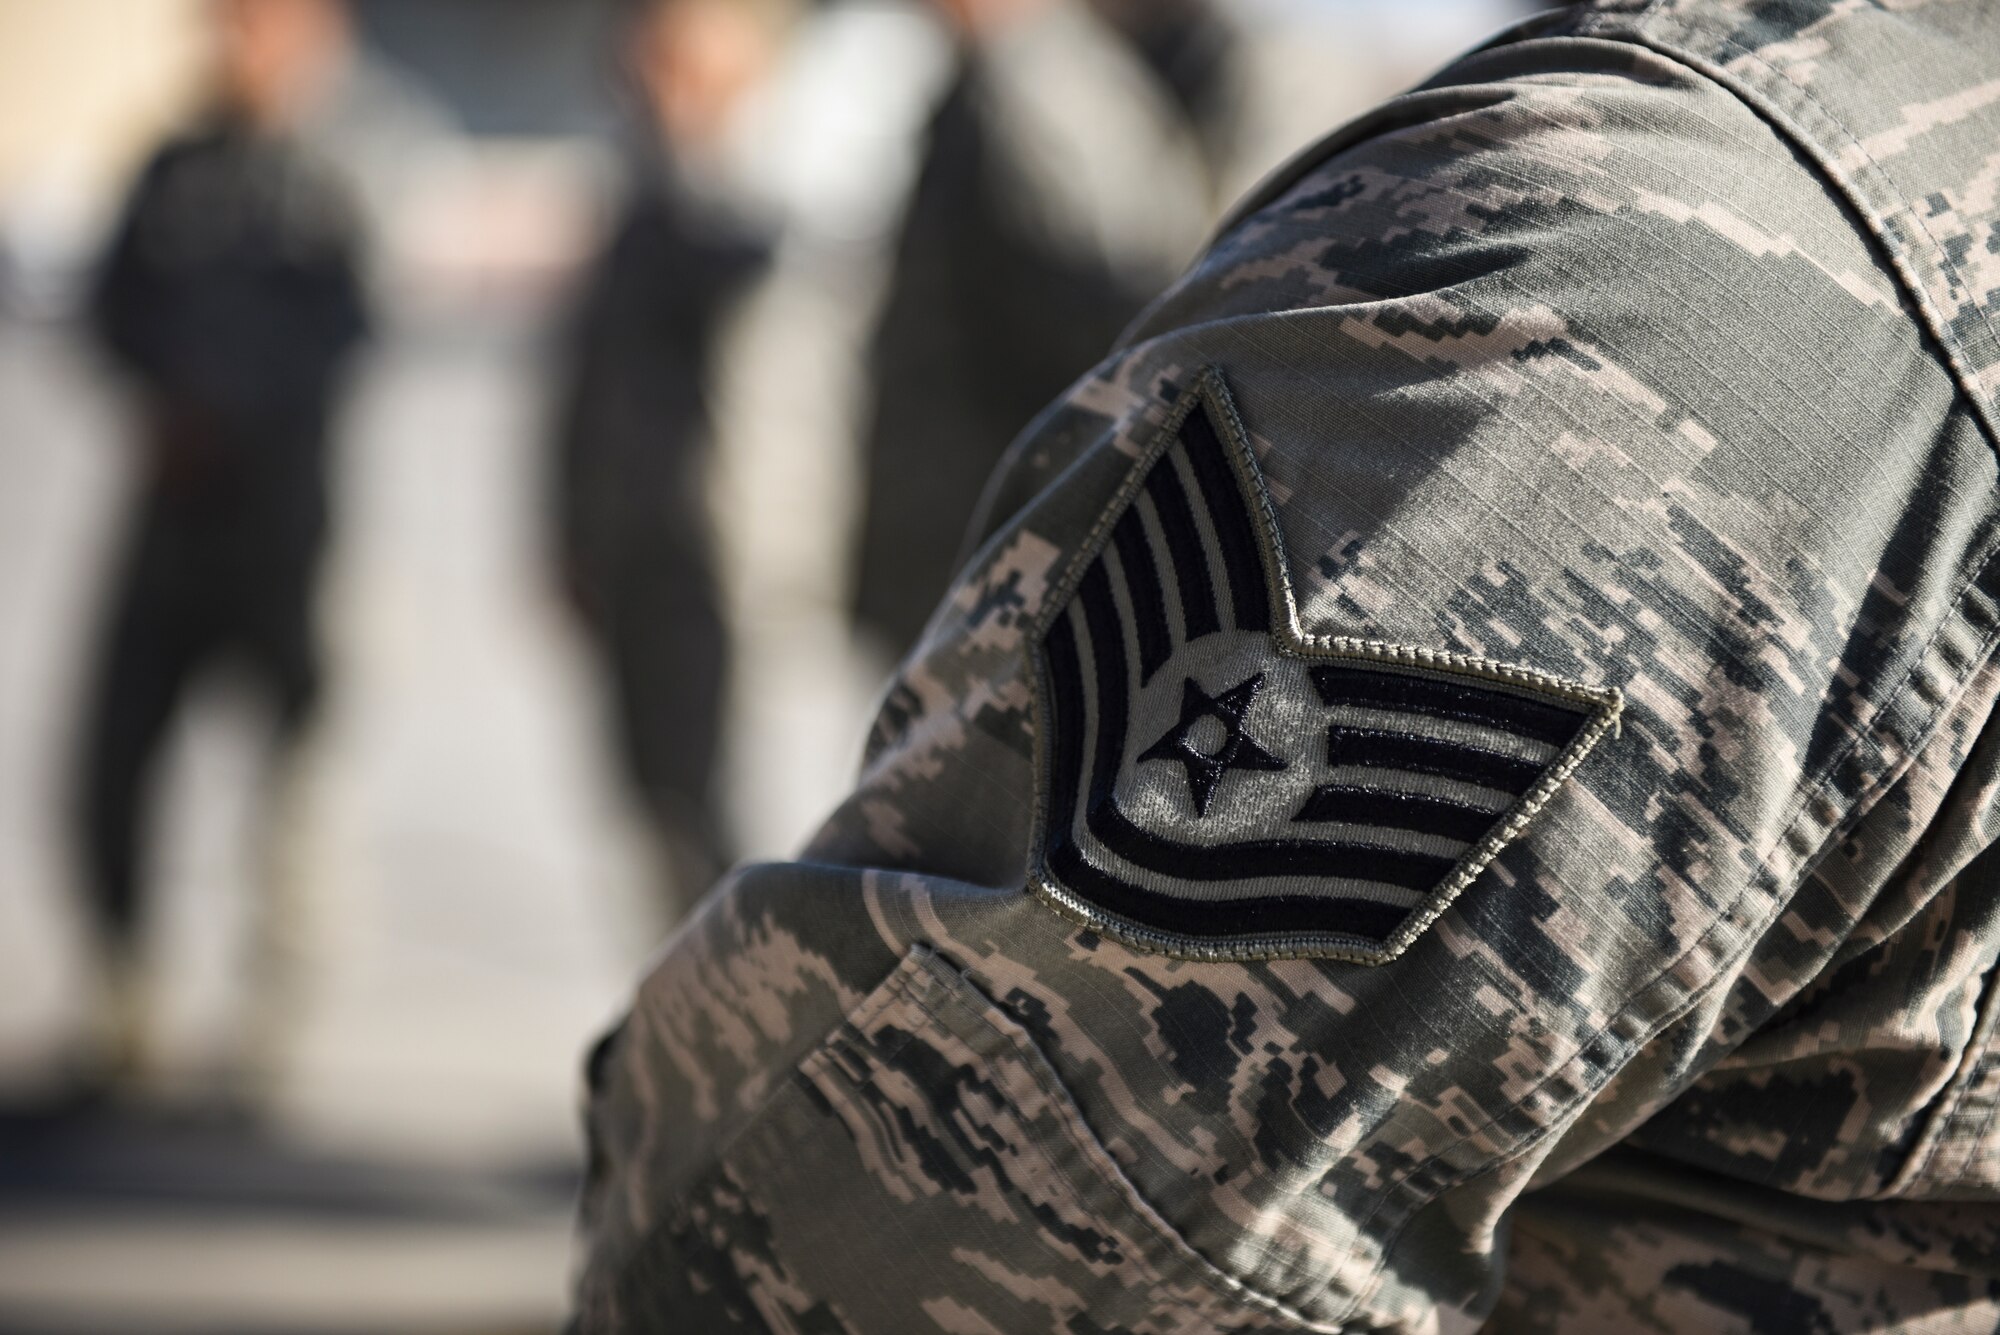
1651,348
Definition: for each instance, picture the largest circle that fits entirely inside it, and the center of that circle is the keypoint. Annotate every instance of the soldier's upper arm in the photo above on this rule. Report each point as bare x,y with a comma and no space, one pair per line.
1388,746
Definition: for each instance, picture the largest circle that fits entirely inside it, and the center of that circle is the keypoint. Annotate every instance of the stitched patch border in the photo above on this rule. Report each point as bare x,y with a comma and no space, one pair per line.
1598,708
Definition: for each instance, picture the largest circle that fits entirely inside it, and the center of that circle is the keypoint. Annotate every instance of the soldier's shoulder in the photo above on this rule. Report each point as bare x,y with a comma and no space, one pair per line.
1557,164
1569,360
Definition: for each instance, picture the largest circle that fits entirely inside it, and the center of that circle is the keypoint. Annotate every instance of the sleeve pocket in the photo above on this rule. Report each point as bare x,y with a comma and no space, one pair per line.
1957,1154
924,1170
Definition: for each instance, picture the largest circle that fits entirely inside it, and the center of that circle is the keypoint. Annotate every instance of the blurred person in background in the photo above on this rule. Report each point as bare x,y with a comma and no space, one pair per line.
231,297
1192,49
1061,189
1254,84
633,441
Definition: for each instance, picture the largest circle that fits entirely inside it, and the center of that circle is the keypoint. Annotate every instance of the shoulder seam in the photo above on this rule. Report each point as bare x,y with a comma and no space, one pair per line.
1946,345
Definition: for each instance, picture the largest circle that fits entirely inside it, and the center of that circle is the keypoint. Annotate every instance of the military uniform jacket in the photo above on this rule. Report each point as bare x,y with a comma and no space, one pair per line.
1460,785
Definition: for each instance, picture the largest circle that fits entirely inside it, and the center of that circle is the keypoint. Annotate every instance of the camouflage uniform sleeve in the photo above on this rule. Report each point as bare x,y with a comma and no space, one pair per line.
1463,666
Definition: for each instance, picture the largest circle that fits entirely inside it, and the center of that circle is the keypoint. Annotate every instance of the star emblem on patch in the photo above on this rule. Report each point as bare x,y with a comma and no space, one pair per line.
1217,786
1223,747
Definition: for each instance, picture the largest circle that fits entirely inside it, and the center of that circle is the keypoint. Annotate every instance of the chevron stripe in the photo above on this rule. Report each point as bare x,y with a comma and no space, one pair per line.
1418,768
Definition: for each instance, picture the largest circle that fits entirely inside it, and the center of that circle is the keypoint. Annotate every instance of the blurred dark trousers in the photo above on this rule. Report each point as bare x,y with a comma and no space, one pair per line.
664,651
223,578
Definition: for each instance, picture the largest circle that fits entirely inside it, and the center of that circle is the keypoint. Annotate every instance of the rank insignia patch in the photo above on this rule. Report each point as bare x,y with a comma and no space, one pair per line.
1216,784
